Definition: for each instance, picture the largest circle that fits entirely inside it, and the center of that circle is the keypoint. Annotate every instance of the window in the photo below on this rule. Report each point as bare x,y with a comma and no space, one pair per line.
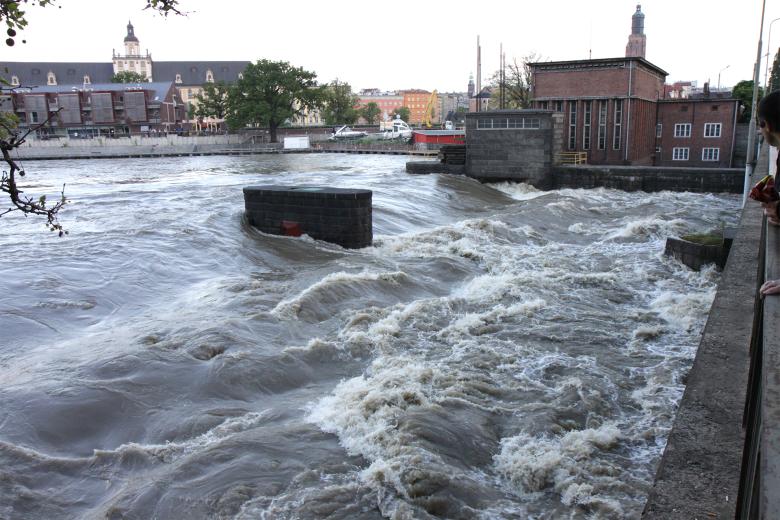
680,154
572,125
178,78
209,76
682,130
87,81
659,129
51,79
617,124
586,125
558,106
34,117
710,154
602,136
501,123
658,150
684,108
712,129
543,105
14,80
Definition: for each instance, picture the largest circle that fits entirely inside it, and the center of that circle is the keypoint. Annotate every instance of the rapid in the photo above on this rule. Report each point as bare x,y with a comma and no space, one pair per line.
498,353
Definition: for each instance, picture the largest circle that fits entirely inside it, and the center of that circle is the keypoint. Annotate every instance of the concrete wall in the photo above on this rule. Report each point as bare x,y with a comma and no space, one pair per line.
517,154
646,178
136,140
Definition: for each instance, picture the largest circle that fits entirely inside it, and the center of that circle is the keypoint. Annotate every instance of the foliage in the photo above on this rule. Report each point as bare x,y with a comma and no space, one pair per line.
212,101
402,112
743,91
13,13
370,112
340,103
516,83
774,78
128,76
269,93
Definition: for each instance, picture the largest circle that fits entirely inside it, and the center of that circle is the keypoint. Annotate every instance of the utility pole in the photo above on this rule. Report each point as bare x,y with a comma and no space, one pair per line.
750,161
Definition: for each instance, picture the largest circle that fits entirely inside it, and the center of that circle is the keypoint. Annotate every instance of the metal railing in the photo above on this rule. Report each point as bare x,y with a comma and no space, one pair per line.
573,158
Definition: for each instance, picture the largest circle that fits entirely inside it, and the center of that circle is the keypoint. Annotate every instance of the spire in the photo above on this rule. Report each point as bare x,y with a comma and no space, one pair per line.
130,34
638,21
637,41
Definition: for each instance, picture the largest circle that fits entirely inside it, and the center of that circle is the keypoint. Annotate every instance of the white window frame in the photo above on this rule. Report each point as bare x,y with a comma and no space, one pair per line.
710,154
586,115
682,130
681,153
659,129
572,124
617,124
712,130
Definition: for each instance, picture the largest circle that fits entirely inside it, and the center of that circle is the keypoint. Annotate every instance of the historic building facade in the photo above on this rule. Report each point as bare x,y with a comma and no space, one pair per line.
186,77
615,111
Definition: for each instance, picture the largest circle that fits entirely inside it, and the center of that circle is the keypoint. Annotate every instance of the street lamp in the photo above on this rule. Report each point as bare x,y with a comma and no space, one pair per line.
768,51
721,70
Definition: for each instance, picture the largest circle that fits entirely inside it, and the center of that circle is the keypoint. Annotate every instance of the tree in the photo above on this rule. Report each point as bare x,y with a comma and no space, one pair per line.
128,76
402,112
516,83
269,93
370,112
340,103
13,13
774,78
743,91
212,101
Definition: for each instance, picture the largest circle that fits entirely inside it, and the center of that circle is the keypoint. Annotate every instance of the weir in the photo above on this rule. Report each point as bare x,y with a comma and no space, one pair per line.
722,458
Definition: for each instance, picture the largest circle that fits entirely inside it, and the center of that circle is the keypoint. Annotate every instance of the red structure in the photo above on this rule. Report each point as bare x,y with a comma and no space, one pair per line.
439,137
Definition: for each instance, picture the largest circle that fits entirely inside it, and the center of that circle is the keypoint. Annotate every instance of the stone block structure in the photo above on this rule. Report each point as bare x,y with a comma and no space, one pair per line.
516,145
338,215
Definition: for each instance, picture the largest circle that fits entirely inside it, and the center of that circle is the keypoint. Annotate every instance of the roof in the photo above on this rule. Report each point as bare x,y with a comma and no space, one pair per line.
597,63
35,72
194,72
159,89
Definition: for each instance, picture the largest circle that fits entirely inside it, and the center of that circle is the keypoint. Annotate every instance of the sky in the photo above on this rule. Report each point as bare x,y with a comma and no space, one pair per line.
401,44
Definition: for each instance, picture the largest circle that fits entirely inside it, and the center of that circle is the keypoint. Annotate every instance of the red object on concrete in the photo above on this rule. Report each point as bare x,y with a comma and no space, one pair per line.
291,228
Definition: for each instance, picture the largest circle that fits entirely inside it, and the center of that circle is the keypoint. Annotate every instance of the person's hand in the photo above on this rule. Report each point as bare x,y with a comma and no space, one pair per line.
770,287
770,210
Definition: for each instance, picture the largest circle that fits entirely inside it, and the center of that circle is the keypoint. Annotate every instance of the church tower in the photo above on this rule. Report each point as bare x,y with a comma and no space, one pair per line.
637,41
471,86
132,60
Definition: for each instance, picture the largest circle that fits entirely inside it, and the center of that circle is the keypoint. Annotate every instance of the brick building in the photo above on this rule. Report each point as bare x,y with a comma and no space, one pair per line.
387,102
615,112
416,100
109,109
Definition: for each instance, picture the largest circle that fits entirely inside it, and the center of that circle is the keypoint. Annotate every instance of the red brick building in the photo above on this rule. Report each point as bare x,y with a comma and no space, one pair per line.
388,102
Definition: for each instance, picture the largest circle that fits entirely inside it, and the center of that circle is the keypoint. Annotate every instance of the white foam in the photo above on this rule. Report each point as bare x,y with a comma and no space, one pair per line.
518,191
652,226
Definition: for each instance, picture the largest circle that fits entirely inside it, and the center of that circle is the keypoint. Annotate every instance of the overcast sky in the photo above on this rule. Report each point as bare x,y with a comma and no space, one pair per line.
398,44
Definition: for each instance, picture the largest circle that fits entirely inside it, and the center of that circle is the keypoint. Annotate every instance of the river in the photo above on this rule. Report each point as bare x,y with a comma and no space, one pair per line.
499,352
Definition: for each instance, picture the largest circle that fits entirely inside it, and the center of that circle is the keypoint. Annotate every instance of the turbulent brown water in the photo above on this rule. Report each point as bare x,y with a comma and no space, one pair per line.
498,353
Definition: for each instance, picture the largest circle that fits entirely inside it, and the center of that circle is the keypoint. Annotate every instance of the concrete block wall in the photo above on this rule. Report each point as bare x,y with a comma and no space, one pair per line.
338,215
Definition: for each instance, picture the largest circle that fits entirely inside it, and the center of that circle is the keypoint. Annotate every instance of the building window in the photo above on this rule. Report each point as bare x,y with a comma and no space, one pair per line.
120,65
682,130
586,125
51,79
572,125
712,129
34,117
543,105
209,77
684,108
558,105
617,125
602,135
659,129
658,150
14,81
502,123
680,154
710,154
87,81
178,78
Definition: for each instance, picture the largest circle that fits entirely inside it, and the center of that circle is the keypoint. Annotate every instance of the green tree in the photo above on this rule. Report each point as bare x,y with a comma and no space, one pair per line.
128,76
402,112
269,93
774,78
516,83
743,91
212,101
340,103
370,112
